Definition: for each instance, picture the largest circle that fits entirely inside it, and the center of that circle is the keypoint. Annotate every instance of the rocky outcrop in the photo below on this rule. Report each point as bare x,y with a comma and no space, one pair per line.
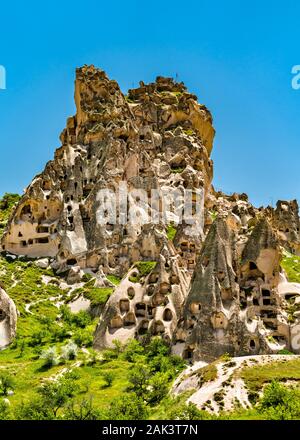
206,282
8,319
286,221
156,138
233,305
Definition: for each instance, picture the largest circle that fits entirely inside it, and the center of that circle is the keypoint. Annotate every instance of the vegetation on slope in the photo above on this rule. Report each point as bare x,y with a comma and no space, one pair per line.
291,264
259,375
7,203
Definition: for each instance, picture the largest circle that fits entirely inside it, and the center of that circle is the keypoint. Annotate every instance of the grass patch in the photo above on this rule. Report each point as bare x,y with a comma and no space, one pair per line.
291,264
171,232
207,374
98,295
114,279
256,377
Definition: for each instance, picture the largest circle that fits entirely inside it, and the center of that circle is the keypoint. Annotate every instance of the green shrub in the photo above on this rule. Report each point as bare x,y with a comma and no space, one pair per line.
4,410
50,357
108,378
83,337
187,412
69,351
128,407
132,350
157,387
6,383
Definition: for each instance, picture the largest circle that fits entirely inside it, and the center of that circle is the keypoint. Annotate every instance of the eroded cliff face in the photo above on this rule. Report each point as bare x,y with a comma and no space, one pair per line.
156,137
233,305
208,288
8,319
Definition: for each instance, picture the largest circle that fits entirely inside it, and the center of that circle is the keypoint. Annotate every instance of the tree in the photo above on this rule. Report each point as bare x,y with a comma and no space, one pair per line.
157,387
138,378
128,407
133,350
33,410
56,394
280,402
6,383
82,410
108,377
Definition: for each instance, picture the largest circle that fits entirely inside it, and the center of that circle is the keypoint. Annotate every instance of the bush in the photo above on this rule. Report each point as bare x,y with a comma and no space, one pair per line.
132,350
69,351
86,277
158,387
49,357
37,338
108,378
138,378
81,319
188,412
6,383
279,402
4,410
33,410
83,410
145,267
83,337
128,407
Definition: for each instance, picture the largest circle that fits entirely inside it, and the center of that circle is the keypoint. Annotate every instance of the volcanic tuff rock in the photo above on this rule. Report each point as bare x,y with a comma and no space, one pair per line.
207,290
8,319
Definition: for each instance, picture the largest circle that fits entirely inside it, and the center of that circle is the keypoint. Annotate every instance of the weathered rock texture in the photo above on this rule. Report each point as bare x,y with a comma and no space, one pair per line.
8,319
214,288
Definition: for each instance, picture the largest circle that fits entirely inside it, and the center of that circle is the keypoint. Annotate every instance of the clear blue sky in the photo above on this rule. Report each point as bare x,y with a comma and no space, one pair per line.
235,55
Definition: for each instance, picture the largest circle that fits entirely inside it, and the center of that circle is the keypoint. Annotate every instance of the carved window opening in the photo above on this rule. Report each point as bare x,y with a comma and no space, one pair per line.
129,320
164,288
252,266
140,310
143,328
150,290
2,315
158,328
116,322
71,261
188,353
150,311
153,278
167,315
124,305
265,292
130,292
42,229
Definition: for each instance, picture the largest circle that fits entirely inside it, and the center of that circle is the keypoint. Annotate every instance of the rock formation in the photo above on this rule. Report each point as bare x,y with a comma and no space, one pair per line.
8,319
207,283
